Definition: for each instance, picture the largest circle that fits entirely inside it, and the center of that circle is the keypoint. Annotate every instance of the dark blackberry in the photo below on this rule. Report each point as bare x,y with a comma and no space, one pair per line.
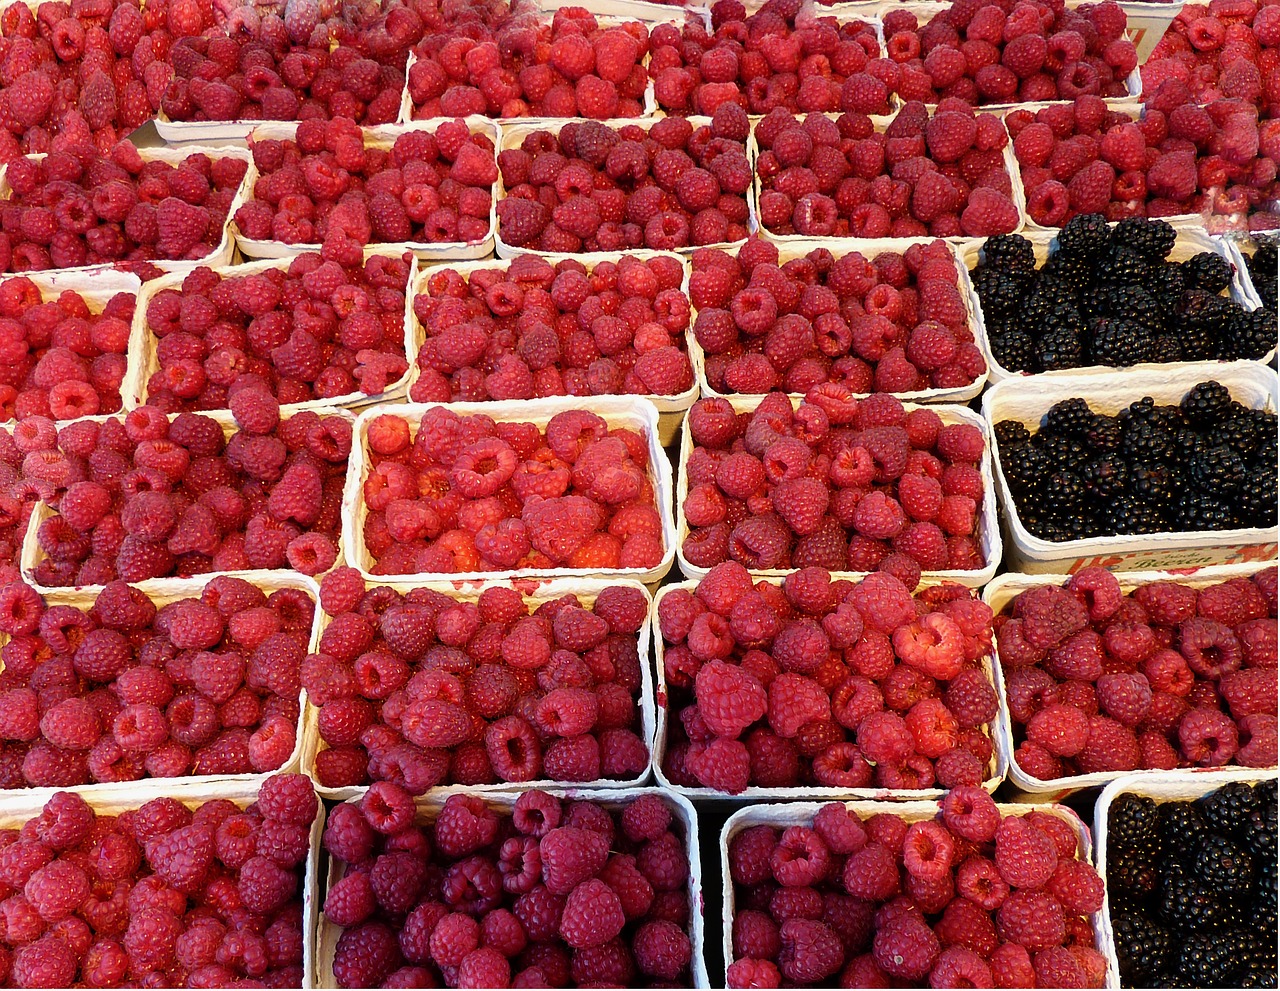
1209,960
1129,515
1144,948
1152,483
1120,343
1133,822
1011,432
1016,351
1105,477
1262,273
1256,498
1205,404
1009,253
1224,866
1103,434
1258,831
1058,350
1084,234
1262,901
1064,491
1063,453
1217,470
1132,303
1168,283
1024,466
1166,348
1125,266
1069,418
1250,334
1198,343
999,293
1183,826
1152,238
1208,271
1187,906
1227,810
1240,431
1145,441
1064,316
1200,511
1047,295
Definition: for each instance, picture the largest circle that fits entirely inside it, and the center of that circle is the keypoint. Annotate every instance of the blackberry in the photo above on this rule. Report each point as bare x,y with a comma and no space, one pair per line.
1227,810
1145,441
1152,238
1047,295
1262,273
1074,273
1011,432
1133,822
1218,470
1166,348
1064,316
1016,351
1209,961
1103,434
999,293
1225,867
1258,831
1063,452
1205,404
1168,283
1129,515
1250,333
1064,491
1105,477
1198,511
1009,253
1240,431
1061,349
1023,466
1152,483
1198,343
1257,496
1187,906
1070,418
1084,234
1144,948
1132,303
1262,901
1125,266
1184,826
1120,343
1208,271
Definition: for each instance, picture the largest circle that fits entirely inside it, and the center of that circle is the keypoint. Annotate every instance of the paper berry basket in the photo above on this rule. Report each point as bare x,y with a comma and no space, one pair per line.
1028,398
382,136
220,254
671,409
791,247
996,770
33,554
429,807
144,360
1169,786
801,813
1044,241
96,289
988,526
513,133
1007,587
535,593
19,807
617,411
162,591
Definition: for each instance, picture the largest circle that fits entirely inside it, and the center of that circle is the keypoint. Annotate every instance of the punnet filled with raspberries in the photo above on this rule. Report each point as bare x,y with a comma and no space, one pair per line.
955,894
1191,883
185,890
127,683
879,321
65,355
542,891
150,496
314,328
526,329
1158,675
500,688
330,183
811,682
838,483
667,185
1225,48
918,174
443,492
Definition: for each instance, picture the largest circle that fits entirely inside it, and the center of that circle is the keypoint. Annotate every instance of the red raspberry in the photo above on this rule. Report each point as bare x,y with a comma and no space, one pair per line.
1111,747
722,764
1077,887
906,948
811,951
592,915
971,814
1025,856
1032,919
729,698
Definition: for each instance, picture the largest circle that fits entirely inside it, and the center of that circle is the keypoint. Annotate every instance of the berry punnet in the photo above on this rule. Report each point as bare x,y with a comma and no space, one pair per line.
893,322
320,327
782,55
71,209
531,64
821,683
524,329
463,493
839,483
543,891
1207,464
177,891
1168,675
331,184
919,174
144,496
1192,888
63,357
1111,295
1008,52
425,690
129,688
669,185
968,897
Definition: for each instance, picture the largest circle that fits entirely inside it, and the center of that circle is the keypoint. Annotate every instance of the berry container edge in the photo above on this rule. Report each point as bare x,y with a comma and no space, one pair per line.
1004,589
671,409
382,136
797,813
1027,398
988,525
997,731
539,592
1164,787
618,411
429,807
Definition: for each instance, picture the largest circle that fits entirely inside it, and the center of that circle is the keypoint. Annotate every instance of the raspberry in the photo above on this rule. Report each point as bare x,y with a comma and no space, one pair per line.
811,951
1077,887
288,798
1025,856
729,698
906,948
971,813
592,915
1032,919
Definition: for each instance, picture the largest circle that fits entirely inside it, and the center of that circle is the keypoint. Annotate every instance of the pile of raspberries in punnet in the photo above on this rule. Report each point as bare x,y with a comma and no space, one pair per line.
64,356
163,891
968,897
144,497
525,330
897,322
425,690
133,688
838,483
466,494
312,328
941,174
825,683
590,187
1163,677
1224,49
327,185
78,207
545,892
